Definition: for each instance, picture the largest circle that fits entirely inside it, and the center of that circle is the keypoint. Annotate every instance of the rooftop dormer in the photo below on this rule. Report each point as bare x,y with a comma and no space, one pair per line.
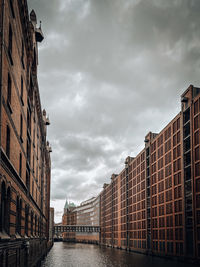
38,31
33,18
39,34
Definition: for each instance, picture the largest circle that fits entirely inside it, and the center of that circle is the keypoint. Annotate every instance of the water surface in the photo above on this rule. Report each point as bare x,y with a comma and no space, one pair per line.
84,255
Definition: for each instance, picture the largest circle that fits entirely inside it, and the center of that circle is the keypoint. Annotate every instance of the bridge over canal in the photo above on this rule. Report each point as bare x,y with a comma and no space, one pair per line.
59,229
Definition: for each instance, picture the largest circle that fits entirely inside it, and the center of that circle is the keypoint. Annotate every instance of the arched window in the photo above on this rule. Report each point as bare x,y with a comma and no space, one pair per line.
31,223
27,171
8,141
35,225
10,44
12,8
3,207
7,211
39,227
34,64
18,216
26,219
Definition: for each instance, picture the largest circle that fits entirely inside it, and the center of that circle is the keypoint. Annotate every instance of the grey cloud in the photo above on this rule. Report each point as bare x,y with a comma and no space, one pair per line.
109,72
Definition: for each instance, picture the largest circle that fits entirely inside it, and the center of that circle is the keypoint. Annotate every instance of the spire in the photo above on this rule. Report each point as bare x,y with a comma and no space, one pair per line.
33,17
66,204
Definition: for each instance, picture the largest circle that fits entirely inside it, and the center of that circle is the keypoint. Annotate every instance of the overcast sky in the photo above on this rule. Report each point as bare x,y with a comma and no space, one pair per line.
109,72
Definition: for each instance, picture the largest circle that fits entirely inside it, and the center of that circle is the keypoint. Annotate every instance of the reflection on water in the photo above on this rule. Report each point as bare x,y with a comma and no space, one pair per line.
83,255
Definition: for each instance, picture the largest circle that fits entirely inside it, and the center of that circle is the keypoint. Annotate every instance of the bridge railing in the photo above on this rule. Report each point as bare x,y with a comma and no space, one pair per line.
76,228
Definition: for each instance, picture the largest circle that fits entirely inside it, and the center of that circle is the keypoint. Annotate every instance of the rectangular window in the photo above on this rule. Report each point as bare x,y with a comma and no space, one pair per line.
178,137
177,192
33,164
174,127
169,221
12,8
22,56
178,151
187,159
196,138
10,44
177,178
178,206
29,118
198,185
22,91
21,128
20,164
197,154
34,137
186,144
169,208
198,201
8,142
32,187
178,220
28,179
196,122
196,107
28,150
186,130
9,91
186,116
197,169
178,124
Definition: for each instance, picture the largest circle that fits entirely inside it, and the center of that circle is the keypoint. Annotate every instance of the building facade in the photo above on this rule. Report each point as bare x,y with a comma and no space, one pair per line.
69,218
153,205
51,225
87,214
25,165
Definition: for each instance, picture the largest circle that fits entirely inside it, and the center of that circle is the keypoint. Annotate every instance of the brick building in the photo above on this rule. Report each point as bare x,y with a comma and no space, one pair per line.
25,164
51,225
69,218
87,214
153,205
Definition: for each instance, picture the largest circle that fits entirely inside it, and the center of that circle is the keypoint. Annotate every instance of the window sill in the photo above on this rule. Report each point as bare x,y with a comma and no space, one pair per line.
18,236
4,236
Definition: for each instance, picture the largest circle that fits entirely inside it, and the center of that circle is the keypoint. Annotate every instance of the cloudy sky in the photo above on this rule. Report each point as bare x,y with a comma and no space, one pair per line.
110,71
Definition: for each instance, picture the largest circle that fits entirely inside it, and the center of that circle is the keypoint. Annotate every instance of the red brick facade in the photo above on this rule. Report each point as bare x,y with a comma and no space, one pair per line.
153,205
25,160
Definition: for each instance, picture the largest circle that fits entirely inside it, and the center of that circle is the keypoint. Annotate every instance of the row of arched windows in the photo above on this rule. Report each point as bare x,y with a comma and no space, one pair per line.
5,208
33,225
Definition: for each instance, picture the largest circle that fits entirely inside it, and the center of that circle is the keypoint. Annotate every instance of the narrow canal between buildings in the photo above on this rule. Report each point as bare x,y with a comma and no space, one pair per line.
83,255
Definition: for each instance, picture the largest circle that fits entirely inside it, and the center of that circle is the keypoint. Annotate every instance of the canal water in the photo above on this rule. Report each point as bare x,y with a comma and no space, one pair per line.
84,255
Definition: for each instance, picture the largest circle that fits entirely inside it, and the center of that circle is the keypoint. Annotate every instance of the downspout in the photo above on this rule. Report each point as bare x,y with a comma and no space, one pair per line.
1,68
